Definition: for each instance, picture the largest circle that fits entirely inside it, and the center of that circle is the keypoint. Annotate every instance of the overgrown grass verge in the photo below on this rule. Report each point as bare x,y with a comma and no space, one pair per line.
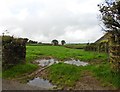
103,72
18,70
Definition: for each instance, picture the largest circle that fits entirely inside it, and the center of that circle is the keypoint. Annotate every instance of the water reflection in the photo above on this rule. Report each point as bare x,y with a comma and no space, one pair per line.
38,82
76,62
46,62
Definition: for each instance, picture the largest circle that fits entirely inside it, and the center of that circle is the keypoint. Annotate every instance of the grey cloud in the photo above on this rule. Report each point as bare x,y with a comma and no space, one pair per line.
56,22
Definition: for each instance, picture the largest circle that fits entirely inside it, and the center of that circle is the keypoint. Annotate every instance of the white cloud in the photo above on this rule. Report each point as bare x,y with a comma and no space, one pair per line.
44,20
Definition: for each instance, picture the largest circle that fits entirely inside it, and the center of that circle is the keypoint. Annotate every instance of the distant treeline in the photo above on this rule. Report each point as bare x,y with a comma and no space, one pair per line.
39,44
76,46
53,42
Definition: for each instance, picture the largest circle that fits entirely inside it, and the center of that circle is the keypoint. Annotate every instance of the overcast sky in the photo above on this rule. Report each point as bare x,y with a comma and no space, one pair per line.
45,20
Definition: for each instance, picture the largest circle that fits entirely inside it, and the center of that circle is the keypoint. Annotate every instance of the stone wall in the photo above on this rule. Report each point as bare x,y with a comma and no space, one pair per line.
114,52
13,51
112,47
115,57
99,47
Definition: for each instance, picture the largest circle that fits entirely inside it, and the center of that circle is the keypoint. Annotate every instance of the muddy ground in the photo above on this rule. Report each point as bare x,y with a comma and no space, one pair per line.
86,82
15,85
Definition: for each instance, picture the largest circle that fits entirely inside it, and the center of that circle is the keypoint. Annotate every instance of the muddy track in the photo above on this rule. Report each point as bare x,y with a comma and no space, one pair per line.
15,85
29,76
88,82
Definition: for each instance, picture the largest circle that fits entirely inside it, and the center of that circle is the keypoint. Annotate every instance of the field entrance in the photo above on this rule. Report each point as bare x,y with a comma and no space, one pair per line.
65,68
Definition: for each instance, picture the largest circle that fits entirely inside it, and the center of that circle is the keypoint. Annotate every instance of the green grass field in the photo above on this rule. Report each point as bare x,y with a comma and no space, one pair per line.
61,53
68,74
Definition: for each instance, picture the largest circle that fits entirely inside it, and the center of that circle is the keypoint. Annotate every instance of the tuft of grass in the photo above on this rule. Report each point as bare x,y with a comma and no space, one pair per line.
64,74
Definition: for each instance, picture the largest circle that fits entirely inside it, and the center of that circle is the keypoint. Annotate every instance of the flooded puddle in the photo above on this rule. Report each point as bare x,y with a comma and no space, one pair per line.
38,82
76,62
46,62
